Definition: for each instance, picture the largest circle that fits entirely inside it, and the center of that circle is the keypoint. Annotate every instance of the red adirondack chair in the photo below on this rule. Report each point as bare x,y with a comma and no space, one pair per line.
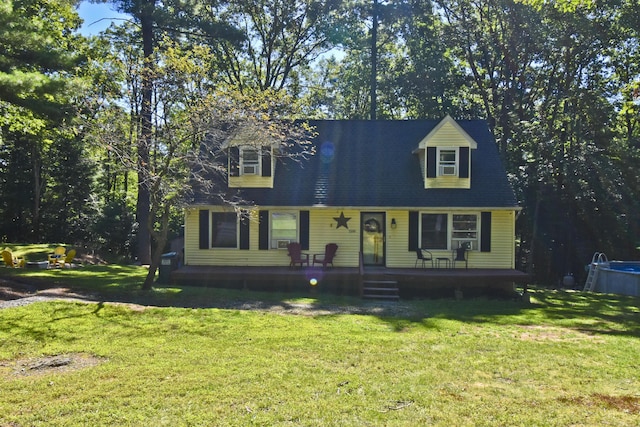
296,255
327,258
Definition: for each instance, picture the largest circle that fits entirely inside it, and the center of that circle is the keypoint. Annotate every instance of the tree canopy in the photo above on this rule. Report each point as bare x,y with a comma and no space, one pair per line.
90,126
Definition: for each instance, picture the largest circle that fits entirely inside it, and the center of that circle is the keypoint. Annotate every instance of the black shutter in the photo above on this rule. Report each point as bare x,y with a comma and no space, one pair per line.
244,230
464,162
266,162
413,231
204,229
431,163
485,231
304,230
234,161
263,230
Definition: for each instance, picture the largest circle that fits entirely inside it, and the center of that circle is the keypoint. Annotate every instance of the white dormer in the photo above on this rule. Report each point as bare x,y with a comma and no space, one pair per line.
445,156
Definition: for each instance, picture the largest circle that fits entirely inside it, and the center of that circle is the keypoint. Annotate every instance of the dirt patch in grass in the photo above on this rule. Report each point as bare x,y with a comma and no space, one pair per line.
58,363
548,333
628,404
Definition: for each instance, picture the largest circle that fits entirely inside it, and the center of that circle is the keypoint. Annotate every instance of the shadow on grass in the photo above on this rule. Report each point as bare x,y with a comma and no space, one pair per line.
589,312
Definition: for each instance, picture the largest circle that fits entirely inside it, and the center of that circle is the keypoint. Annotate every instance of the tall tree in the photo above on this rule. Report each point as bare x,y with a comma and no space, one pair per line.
414,76
429,81
193,124
155,20
144,14
37,52
39,57
542,73
280,36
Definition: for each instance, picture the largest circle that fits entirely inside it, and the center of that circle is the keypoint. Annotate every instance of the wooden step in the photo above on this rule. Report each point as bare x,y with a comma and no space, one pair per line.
380,289
380,282
378,296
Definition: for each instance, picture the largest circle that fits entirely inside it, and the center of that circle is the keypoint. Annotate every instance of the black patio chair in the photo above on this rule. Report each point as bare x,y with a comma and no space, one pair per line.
424,256
461,255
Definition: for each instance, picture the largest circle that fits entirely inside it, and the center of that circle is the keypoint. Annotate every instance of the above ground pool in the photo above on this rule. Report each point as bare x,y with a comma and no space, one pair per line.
619,277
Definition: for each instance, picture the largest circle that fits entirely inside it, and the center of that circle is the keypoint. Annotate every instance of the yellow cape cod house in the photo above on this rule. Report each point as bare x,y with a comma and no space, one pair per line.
378,189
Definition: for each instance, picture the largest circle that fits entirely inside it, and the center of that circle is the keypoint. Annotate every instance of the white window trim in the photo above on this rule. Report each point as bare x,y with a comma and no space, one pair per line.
257,165
273,244
477,231
439,165
450,240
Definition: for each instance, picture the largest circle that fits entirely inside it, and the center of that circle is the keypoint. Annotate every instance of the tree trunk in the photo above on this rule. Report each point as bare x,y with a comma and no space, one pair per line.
160,240
143,204
534,233
374,61
37,194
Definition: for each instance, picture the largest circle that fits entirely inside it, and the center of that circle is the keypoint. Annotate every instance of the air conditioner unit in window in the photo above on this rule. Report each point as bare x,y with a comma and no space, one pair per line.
448,170
250,169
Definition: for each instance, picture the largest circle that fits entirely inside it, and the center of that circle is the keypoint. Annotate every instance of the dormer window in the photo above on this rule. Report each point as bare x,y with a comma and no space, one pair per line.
445,156
249,161
447,162
250,166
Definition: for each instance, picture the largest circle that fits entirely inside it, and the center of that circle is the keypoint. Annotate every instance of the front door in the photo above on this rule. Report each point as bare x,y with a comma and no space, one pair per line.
373,238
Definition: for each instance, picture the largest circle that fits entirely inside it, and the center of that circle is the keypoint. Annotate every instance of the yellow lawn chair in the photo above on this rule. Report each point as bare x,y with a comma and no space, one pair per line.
68,259
10,260
57,256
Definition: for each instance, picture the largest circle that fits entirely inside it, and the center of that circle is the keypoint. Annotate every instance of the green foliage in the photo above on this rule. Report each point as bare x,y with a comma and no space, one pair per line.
41,155
279,38
558,82
16,179
36,53
113,230
546,79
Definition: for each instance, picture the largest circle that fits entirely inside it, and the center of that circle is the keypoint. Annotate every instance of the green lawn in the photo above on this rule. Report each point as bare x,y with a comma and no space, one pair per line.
568,358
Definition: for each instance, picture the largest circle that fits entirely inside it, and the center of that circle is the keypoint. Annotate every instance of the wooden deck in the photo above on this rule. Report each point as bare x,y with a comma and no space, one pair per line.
347,280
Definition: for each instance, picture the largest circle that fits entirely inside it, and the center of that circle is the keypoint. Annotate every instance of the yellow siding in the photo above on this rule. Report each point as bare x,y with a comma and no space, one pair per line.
251,181
322,230
228,257
448,136
502,253
448,182
398,254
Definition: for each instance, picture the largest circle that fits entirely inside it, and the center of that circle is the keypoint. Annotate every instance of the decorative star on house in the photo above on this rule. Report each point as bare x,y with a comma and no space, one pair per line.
342,221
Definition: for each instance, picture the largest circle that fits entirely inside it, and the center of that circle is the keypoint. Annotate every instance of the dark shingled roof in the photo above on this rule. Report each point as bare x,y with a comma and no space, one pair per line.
362,163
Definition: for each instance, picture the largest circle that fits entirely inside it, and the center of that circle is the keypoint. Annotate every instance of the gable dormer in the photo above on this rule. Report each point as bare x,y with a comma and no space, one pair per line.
445,156
251,162
250,155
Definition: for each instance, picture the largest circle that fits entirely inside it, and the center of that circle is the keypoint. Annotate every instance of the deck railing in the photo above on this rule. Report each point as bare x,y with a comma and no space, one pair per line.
361,273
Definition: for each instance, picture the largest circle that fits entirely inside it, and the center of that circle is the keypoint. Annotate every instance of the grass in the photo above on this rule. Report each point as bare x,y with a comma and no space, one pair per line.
33,252
568,358
198,358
